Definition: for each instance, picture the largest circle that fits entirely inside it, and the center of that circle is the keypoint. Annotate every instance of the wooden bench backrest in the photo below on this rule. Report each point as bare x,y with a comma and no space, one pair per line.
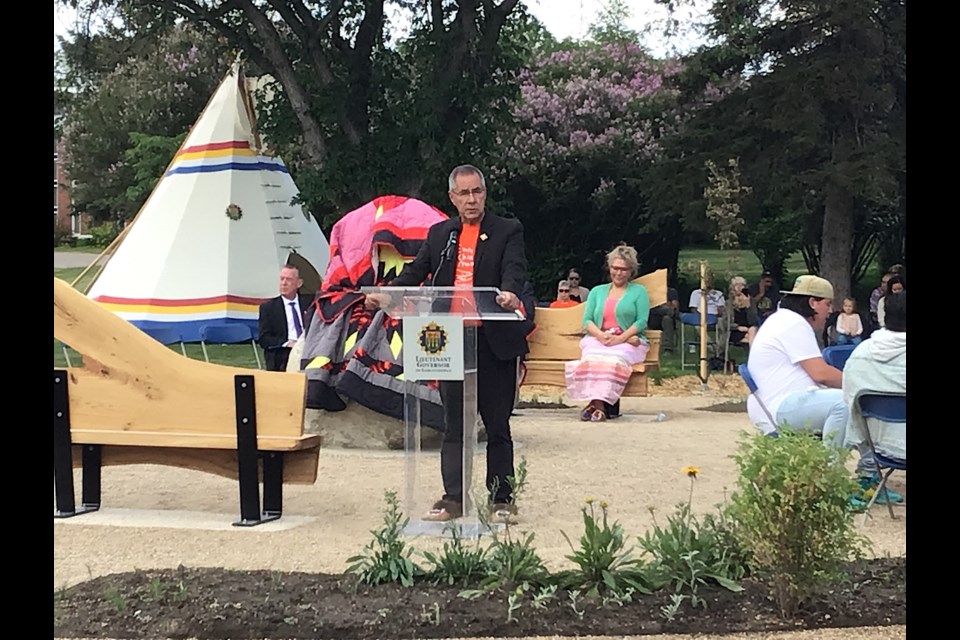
134,390
559,330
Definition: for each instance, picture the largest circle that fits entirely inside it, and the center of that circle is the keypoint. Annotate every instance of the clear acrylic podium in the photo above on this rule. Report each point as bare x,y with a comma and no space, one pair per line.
440,343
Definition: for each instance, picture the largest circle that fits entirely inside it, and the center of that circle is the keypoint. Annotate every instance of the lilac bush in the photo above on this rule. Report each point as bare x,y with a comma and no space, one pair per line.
589,123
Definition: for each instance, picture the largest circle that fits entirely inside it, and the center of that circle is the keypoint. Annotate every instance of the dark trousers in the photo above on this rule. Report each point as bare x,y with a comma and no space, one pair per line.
276,359
496,388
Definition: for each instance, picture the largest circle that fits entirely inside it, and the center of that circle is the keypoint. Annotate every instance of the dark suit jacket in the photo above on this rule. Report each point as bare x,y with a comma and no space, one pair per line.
273,330
500,262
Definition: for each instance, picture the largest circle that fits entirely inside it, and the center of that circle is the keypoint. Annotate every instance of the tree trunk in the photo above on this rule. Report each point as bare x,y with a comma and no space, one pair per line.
835,245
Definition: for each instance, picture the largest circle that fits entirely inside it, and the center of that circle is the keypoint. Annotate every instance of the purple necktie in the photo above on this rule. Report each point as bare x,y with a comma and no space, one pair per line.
296,318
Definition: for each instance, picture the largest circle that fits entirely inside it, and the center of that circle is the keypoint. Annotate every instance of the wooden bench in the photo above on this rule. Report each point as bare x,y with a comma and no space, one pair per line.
557,340
135,401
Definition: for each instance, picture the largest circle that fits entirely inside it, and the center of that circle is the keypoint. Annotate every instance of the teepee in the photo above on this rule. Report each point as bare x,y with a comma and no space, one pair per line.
208,245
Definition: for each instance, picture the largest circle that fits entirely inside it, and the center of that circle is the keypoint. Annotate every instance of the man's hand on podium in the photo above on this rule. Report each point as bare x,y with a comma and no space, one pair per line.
508,300
376,301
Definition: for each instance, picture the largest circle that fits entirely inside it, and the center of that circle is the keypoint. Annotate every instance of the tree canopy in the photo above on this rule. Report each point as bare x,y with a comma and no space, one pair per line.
817,124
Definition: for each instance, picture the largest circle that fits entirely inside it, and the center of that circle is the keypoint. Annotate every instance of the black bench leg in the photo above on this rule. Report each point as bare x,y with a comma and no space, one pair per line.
272,483
247,455
63,457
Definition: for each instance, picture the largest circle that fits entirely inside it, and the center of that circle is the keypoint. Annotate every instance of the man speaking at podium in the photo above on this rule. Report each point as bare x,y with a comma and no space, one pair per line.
477,249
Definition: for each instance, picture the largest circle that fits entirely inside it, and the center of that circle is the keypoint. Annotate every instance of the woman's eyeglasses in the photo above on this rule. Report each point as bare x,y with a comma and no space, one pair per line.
619,268
563,290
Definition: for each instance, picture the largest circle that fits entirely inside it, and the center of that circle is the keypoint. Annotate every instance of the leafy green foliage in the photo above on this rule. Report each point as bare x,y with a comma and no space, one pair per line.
130,88
813,103
792,511
513,563
604,562
387,557
458,562
688,553
103,234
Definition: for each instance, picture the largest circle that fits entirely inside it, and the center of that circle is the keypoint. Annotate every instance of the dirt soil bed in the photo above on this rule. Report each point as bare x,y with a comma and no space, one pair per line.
218,603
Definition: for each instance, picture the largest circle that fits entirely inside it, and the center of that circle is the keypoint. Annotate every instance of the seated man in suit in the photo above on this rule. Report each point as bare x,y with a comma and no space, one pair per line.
284,319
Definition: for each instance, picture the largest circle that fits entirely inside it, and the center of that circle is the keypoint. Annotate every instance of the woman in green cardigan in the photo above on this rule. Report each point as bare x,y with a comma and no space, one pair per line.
614,319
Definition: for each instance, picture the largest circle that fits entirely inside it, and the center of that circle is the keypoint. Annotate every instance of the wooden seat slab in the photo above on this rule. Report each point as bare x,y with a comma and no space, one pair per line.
135,401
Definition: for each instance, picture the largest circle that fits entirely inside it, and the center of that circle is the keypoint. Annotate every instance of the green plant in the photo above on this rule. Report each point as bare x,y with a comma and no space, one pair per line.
791,509
116,598
431,615
103,234
544,595
156,589
669,611
387,557
512,563
574,596
688,552
514,602
457,562
603,560
517,483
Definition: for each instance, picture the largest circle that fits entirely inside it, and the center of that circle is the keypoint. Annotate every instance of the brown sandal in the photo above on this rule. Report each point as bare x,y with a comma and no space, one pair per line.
598,415
443,511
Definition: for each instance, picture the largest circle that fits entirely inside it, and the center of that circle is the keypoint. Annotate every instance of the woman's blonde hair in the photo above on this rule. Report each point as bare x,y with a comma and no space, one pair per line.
626,253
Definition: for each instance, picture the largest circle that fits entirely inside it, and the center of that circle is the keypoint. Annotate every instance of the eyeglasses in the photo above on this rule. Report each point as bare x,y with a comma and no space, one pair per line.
466,193
619,268
563,290
573,277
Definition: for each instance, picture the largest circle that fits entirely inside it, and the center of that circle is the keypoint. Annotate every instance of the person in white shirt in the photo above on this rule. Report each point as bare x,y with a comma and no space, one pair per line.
715,302
793,381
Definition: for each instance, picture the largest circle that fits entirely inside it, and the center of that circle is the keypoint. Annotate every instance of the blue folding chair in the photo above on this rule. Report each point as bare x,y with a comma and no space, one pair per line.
166,336
836,356
692,319
228,334
752,386
888,407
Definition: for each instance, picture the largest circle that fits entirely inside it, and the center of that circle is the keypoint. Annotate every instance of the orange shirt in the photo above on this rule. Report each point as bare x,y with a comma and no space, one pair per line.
463,272
559,304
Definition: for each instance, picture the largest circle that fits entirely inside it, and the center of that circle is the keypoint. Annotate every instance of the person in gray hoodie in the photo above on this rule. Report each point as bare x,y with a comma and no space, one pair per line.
879,364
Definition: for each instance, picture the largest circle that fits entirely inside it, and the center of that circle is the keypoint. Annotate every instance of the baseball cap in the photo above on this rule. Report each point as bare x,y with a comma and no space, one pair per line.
810,285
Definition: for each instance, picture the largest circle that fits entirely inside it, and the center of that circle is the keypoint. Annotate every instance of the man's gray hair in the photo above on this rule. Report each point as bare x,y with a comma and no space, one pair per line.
465,169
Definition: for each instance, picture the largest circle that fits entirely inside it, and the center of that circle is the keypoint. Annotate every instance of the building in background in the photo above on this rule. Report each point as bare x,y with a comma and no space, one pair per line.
64,217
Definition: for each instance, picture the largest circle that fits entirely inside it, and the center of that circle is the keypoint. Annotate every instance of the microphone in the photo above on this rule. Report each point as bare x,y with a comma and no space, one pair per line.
451,245
446,255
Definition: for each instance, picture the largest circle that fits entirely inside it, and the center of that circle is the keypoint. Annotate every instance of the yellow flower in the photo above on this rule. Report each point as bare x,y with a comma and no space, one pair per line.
603,504
588,500
691,471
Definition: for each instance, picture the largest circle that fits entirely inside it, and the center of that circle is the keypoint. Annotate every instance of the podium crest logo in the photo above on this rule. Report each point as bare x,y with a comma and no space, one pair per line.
433,339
